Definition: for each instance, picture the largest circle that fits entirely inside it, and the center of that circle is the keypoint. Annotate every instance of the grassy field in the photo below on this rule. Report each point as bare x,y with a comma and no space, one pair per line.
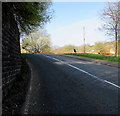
97,56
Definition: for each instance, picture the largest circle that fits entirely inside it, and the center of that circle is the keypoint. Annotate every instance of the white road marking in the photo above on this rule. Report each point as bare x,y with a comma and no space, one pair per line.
102,80
112,83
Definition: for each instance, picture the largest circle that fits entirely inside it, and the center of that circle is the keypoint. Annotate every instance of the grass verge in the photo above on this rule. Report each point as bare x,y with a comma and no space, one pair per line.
16,96
97,56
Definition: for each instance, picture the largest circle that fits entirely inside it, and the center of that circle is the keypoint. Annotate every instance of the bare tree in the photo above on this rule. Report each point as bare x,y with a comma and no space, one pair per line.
37,42
110,16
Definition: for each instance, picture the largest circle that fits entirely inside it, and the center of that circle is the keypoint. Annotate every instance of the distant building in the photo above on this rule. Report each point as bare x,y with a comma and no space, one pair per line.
112,51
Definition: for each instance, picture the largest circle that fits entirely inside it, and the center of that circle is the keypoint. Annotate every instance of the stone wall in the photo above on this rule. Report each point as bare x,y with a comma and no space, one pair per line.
11,57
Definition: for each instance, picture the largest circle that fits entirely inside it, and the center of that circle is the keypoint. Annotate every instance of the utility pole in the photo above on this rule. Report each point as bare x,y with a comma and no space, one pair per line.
84,37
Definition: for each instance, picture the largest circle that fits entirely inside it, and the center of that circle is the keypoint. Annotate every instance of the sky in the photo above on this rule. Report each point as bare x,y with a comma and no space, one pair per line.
69,18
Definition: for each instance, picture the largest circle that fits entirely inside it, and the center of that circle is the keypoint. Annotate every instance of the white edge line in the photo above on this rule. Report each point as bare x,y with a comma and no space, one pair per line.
112,84
102,80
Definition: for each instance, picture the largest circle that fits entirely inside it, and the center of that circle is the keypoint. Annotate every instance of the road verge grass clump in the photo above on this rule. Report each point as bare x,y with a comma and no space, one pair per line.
97,56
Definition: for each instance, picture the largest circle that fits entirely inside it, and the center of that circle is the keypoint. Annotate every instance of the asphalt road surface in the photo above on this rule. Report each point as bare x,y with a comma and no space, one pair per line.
63,85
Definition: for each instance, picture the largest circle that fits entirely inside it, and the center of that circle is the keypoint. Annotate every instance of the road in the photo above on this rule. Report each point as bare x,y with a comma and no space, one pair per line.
63,85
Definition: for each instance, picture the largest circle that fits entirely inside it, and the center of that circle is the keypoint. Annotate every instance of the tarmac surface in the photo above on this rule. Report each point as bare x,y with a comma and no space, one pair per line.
109,63
64,85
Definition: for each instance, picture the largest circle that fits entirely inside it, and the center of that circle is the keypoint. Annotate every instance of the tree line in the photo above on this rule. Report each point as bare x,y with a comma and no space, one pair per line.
46,47
37,43
111,23
98,47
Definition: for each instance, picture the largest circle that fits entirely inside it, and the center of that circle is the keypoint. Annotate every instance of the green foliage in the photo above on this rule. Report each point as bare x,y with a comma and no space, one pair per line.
65,49
30,15
37,42
70,49
103,47
45,49
87,48
99,47
44,45
27,45
97,56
